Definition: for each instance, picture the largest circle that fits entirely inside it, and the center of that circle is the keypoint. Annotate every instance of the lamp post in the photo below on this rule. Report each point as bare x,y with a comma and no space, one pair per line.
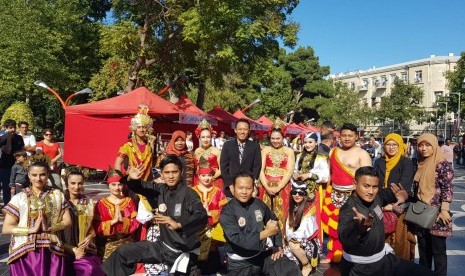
251,104
289,114
44,85
445,120
63,103
83,91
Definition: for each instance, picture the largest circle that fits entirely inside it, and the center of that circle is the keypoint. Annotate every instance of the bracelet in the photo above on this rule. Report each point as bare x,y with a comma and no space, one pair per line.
445,210
57,227
20,231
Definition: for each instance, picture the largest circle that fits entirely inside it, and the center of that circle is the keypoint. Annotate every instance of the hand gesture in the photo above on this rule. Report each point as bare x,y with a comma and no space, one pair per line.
83,244
135,173
168,221
364,223
38,223
116,216
78,252
399,192
272,227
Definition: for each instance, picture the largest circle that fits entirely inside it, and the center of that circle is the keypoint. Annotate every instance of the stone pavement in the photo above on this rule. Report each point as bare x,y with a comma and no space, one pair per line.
455,244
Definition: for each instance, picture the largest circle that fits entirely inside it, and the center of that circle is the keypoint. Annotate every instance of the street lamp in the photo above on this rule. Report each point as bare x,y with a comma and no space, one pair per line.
289,114
83,91
251,104
458,110
43,85
445,120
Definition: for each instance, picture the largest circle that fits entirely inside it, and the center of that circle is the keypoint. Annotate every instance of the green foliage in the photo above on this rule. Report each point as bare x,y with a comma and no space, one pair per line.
402,105
339,105
455,81
19,111
55,41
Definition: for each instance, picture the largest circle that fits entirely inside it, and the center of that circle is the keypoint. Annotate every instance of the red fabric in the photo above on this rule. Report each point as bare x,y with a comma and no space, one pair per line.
92,141
113,179
309,128
171,149
215,200
265,121
126,104
222,115
104,212
186,105
339,174
213,165
50,151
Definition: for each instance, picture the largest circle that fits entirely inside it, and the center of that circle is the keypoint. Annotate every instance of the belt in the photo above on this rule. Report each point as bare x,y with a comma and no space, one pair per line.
181,263
368,259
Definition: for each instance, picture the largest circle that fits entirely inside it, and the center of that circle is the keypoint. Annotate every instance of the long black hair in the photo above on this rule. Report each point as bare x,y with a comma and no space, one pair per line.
296,211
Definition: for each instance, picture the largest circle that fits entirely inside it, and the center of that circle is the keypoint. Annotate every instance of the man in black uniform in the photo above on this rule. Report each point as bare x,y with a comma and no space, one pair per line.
180,216
254,241
361,230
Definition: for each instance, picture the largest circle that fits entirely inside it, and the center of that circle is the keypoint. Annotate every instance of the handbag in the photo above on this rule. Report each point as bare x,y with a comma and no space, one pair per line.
390,222
422,214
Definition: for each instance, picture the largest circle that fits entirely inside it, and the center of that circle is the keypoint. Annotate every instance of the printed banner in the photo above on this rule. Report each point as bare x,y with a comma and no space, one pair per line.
190,119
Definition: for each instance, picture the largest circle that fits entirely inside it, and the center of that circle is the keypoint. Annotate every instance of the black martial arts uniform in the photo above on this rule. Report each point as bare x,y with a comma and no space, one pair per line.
247,254
183,205
359,242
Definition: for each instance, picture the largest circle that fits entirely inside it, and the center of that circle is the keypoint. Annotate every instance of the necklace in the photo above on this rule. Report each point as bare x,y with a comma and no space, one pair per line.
277,156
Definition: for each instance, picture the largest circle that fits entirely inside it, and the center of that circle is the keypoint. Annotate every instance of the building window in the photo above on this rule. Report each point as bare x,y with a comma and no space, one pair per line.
383,81
418,76
365,83
403,76
374,81
437,95
352,85
393,78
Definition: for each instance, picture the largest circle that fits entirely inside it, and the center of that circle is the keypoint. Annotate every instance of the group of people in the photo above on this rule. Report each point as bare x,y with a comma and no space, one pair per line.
248,208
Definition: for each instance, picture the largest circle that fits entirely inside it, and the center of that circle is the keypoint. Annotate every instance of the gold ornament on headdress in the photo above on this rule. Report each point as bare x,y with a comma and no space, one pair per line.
38,158
76,169
204,124
279,124
141,118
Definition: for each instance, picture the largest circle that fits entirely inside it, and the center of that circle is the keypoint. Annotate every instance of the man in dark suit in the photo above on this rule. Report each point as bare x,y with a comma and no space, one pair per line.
239,155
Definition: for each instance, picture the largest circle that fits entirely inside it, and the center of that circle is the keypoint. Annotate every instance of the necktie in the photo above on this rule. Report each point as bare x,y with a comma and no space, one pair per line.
241,152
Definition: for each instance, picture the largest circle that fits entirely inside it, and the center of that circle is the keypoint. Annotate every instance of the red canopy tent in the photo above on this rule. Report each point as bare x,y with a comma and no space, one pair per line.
226,120
191,114
309,128
254,125
295,129
95,131
265,121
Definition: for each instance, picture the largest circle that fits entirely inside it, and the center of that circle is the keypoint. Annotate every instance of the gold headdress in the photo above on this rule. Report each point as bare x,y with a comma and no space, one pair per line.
141,118
39,158
279,124
76,169
204,124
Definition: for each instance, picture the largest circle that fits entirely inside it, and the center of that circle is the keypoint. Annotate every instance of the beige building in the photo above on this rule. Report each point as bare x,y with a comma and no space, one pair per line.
375,83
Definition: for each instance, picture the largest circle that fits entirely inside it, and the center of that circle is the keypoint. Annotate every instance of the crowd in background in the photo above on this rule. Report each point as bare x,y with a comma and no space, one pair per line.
206,203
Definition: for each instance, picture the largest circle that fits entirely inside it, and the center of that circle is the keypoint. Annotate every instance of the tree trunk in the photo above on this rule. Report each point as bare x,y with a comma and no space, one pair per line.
201,94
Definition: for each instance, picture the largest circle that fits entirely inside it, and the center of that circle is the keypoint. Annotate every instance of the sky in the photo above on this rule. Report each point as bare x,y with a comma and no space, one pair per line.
360,34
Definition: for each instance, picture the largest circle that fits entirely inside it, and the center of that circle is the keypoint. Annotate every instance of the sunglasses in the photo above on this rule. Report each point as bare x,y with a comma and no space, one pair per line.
300,193
48,134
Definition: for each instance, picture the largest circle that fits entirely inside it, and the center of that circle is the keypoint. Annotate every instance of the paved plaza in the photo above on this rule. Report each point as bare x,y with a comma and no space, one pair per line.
455,244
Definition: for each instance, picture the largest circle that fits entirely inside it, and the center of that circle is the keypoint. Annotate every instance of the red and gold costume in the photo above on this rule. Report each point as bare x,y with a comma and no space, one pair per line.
137,153
342,180
275,170
109,237
215,200
211,155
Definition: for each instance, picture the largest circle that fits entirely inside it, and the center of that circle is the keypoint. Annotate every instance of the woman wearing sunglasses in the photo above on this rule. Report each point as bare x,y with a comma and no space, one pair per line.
52,149
302,241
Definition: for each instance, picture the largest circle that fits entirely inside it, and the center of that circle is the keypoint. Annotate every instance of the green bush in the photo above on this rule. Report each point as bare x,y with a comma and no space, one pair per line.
19,111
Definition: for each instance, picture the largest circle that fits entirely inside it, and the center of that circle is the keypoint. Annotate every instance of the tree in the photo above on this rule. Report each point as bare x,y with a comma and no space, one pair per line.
402,105
455,81
208,39
19,111
55,41
306,73
337,105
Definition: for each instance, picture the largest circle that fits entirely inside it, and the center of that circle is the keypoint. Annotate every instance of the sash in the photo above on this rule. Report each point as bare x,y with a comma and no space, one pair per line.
342,177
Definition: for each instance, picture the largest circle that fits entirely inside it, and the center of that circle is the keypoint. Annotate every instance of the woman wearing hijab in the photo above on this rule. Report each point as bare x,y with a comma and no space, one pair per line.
177,146
433,186
396,168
